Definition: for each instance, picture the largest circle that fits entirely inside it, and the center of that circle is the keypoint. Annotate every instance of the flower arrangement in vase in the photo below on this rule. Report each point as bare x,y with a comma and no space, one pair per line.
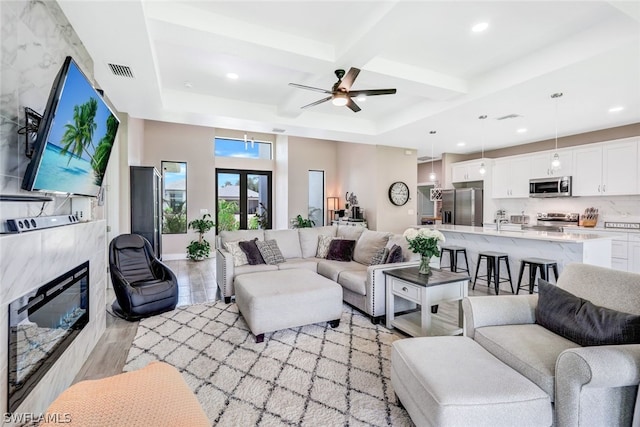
424,241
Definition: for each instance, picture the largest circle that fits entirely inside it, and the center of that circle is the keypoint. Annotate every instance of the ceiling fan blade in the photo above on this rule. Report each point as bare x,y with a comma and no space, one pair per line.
317,102
349,78
316,89
372,92
354,107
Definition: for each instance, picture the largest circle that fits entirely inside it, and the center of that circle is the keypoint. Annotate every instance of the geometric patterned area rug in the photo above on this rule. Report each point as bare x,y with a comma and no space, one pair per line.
308,376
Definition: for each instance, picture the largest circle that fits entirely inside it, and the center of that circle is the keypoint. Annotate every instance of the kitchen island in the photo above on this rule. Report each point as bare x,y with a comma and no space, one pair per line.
563,248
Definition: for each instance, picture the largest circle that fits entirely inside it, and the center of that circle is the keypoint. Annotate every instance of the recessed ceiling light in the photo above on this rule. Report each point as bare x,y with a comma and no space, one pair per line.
615,109
522,130
479,27
461,144
232,76
188,85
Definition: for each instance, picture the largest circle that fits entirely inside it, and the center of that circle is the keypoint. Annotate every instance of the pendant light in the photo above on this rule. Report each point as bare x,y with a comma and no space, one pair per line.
555,160
432,175
482,169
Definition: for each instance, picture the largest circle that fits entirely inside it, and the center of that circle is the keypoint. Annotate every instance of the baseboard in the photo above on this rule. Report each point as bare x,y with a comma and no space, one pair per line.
174,257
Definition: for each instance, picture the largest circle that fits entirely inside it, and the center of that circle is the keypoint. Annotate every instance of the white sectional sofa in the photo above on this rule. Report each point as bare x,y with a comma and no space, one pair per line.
363,285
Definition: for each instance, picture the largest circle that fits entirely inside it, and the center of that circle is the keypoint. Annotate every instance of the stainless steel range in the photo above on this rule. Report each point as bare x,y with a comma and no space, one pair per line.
553,221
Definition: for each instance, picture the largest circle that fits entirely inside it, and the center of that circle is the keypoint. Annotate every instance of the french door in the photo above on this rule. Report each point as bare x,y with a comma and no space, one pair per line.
243,199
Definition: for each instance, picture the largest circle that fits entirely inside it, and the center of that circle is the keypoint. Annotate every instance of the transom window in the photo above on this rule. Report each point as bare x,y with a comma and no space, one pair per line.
248,149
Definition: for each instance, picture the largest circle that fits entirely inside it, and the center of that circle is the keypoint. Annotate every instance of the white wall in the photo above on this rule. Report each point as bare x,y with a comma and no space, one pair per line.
304,155
193,145
281,183
395,164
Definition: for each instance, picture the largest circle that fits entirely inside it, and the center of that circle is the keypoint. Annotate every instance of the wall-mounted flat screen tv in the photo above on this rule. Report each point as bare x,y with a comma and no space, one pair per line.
75,137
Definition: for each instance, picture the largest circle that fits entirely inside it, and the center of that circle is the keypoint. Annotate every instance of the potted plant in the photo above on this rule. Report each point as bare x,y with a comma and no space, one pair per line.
303,223
200,249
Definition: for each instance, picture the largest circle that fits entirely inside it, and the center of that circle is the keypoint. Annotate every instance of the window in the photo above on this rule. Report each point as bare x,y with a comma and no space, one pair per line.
174,197
316,197
249,149
243,199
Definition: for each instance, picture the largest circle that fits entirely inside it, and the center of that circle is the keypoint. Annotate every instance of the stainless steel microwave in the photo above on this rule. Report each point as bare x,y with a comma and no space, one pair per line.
550,187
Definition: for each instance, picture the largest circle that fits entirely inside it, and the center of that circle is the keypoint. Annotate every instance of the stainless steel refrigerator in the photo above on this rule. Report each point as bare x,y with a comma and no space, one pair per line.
462,206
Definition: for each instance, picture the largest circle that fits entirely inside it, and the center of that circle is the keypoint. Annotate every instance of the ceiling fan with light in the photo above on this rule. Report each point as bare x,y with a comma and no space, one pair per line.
340,94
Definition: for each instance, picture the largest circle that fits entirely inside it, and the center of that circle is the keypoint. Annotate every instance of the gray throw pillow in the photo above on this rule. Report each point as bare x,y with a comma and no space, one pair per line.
380,256
395,255
323,245
582,322
250,249
239,258
341,250
270,252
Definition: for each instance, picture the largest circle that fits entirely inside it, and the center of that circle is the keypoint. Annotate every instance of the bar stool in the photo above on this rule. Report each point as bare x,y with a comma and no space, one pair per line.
493,269
453,252
535,264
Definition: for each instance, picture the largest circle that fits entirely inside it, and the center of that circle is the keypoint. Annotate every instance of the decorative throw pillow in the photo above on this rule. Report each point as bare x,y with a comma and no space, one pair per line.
380,256
341,250
582,322
323,245
239,258
270,252
395,255
252,252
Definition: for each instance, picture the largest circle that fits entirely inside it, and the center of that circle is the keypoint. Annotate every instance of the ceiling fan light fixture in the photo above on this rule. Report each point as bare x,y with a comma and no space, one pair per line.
339,100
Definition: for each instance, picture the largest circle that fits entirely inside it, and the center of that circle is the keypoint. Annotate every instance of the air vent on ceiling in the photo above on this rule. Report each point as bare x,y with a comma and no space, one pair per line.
509,116
277,130
121,70
426,158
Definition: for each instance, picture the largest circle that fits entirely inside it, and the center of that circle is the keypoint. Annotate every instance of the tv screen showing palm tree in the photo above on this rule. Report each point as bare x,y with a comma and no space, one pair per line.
74,142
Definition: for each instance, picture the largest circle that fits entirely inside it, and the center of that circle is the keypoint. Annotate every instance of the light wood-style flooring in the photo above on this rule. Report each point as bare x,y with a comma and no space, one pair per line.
196,285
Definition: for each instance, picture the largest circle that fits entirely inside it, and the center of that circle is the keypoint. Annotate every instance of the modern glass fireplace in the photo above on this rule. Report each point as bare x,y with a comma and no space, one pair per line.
42,324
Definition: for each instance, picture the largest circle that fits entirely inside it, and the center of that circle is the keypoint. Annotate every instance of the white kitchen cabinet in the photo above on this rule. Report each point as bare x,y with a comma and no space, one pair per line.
624,247
541,164
511,177
469,171
634,253
606,169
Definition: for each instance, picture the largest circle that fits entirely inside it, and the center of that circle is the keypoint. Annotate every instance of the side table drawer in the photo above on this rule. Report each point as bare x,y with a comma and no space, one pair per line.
406,290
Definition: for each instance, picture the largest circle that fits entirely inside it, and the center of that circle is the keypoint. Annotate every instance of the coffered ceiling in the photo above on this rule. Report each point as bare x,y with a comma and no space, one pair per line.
446,75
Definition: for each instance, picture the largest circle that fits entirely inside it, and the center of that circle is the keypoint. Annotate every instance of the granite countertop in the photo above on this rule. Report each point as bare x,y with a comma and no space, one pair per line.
525,234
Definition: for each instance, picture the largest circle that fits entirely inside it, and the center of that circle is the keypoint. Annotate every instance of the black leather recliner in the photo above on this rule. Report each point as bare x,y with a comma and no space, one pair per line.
144,286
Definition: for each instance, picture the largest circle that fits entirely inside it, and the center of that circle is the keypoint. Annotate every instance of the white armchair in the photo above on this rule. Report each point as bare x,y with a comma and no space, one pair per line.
589,386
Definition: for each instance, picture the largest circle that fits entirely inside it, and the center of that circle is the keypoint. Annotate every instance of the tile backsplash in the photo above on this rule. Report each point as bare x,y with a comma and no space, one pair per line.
614,208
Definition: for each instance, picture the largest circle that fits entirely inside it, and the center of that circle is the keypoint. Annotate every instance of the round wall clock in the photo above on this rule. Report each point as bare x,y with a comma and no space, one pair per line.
399,193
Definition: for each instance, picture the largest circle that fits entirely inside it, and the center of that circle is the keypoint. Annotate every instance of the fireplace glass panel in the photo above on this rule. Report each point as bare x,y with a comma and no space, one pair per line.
42,324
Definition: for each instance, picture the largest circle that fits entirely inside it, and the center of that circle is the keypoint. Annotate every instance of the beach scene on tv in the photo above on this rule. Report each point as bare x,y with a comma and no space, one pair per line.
80,140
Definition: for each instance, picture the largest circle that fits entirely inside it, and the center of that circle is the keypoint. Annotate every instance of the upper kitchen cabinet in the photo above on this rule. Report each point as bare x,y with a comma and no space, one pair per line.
541,163
469,171
511,177
608,169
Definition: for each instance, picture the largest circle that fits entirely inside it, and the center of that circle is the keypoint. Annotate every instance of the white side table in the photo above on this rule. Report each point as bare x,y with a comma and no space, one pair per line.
438,287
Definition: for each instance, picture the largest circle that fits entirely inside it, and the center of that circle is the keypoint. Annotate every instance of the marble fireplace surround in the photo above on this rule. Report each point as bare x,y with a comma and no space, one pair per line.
30,260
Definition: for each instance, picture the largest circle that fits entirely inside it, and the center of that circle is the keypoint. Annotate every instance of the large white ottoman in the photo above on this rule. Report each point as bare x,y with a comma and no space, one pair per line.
453,381
274,300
